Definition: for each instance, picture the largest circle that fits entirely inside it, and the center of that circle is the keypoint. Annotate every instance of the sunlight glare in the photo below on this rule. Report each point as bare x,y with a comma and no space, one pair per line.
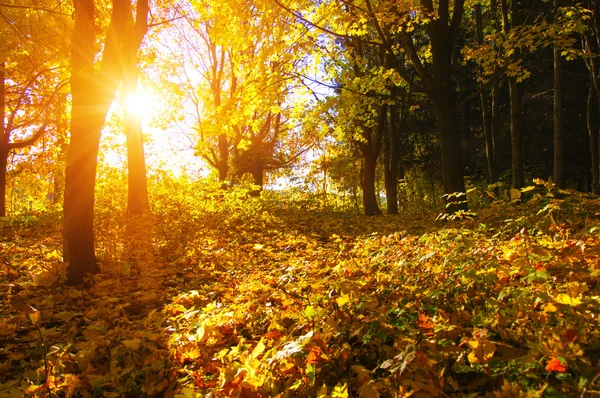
139,104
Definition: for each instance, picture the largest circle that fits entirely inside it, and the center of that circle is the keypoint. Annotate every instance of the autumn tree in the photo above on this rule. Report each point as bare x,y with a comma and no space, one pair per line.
235,82
93,91
32,76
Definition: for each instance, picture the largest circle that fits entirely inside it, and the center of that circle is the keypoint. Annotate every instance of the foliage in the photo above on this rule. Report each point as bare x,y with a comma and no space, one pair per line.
247,298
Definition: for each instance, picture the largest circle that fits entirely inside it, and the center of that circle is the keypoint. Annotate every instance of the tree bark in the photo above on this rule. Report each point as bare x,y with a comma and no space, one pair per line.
3,143
559,142
137,197
371,208
370,151
92,94
392,155
3,165
390,160
516,104
516,133
442,32
486,113
592,125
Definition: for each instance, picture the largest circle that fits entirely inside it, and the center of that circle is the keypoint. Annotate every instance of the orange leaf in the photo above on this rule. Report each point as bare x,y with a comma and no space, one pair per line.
273,334
314,356
556,365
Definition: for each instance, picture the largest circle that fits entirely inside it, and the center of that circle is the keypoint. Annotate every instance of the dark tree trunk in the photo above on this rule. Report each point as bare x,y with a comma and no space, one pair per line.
4,139
92,93
223,161
371,207
592,125
3,165
390,158
516,133
486,113
559,141
454,186
370,151
495,128
442,35
516,103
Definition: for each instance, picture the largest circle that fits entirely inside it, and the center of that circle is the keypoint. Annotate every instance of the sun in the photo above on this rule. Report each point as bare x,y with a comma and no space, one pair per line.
140,104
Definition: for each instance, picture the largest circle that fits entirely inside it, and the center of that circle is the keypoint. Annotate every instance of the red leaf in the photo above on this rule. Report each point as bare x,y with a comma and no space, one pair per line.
273,334
571,335
556,365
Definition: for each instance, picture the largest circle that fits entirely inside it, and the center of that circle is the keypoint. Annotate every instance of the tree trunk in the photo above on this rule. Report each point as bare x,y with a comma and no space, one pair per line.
516,102
368,184
223,162
4,140
516,133
390,159
559,150
92,93
454,185
137,194
3,165
495,128
488,131
443,97
592,125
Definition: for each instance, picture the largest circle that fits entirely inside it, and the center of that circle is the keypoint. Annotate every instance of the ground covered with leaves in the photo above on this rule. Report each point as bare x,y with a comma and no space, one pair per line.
255,299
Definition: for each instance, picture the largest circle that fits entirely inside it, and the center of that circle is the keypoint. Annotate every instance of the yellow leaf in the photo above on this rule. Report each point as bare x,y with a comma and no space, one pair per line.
133,344
342,300
44,278
259,349
322,392
482,352
257,246
340,391
566,299
549,307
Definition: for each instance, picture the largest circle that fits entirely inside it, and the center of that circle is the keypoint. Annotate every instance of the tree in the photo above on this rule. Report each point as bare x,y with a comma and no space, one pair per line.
92,94
236,81
31,77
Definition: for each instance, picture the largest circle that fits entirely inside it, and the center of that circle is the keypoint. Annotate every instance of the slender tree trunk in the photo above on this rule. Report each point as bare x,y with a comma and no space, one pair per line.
4,140
223,162
559,142
3,166
488,131
495,128
137,194
391,147
516,102
137,198
592,125
516,133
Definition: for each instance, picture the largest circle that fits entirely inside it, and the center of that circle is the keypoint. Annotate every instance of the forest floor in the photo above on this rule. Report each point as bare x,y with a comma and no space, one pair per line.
303,303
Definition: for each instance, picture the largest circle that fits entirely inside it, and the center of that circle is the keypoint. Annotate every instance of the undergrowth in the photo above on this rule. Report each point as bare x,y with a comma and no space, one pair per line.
243,296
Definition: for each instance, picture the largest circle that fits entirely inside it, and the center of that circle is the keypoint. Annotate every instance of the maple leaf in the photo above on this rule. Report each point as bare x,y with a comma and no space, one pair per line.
556,365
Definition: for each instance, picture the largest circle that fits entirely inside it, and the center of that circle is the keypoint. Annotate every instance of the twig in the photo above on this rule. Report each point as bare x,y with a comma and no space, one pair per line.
594,380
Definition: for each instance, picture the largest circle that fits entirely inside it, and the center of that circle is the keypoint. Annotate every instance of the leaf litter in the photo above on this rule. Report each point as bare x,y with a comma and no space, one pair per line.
318,304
